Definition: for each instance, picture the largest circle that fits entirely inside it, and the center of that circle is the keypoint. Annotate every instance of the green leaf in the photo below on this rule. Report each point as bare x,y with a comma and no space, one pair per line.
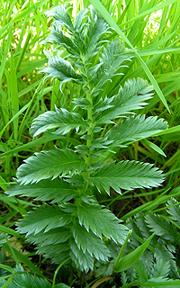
51,237
129,260
105,14
165,252
44,219
161,268
84,261
101,222
81,17
61,119
61,255
96,30
62,16
57,36
7,230
133,96
135,128
60,69
170,130
160,283
154,147
89,243
56,190
34,143
173,208
3,183
29,281
48,164
110,65
127,175
124,246
161,226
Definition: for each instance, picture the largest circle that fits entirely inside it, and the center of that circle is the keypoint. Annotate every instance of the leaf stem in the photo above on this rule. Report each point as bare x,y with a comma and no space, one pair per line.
90,119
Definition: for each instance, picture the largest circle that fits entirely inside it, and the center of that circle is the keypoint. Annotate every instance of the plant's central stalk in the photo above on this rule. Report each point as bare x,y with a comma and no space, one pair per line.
90,137
90,121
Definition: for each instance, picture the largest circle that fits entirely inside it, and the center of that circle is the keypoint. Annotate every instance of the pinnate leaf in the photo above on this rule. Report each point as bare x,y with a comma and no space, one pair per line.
27,280
135,128
48,164
96,30
57,36
101,222
61,255
51,237
127,175
61,119
60,69
88,242
161,226
133,96
173,208
56,190
60,14
111,62
83,261
44,219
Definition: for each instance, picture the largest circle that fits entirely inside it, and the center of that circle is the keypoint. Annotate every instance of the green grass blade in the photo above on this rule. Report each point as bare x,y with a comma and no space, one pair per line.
126,262
8,231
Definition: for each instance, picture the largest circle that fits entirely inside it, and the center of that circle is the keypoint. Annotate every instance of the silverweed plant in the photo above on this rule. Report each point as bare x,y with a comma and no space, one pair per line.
99,118
154,264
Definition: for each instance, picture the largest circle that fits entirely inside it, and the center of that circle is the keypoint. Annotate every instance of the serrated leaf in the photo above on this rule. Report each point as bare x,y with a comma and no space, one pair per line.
133,96
61,15
167,252
161,226
55,190
84,261
127,175
101,222
61,255
61,119
88,242
135,128
57,36
102,105
173,208
51,237
29,281
111,62
99,6
81,17
48,164
44,219
161,268
60,69
96,30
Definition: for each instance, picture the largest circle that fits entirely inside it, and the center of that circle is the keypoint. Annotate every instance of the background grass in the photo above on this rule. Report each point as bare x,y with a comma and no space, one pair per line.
150,30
